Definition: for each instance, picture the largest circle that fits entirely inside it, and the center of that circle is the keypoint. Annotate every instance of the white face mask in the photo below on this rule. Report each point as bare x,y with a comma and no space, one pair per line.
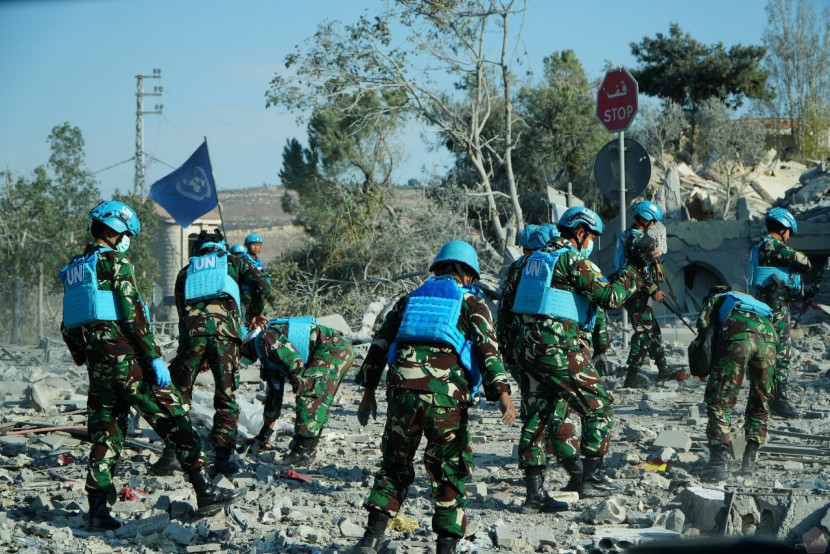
124,244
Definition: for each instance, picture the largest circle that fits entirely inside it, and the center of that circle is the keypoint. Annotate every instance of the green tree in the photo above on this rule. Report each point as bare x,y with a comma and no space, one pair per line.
43,219
439,39
677,67
560,135
797,38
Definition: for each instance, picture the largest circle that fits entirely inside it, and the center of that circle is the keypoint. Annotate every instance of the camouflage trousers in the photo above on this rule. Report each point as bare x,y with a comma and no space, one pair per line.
782,321
647,339
318,385
447,457
571,378
221,356
560,431
750,354
113,390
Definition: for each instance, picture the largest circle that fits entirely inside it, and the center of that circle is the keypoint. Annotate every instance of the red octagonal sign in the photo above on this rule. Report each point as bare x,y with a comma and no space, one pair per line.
617,100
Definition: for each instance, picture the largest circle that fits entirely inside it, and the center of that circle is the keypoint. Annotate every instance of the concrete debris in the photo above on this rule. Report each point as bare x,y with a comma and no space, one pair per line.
44,506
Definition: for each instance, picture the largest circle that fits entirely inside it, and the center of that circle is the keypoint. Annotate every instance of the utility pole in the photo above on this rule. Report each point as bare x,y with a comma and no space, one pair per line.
138,186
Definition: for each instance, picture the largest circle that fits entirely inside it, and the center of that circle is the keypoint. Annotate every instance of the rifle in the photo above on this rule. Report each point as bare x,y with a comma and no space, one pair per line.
673,309
812,293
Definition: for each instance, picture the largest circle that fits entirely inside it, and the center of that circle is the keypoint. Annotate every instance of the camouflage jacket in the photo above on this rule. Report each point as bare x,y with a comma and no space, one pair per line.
278,349
632,240
574,272
110,342
221,316
738,325
775,253
435,368
504,313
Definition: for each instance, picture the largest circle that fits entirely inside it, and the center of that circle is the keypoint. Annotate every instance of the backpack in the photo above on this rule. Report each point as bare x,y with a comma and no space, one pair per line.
702,348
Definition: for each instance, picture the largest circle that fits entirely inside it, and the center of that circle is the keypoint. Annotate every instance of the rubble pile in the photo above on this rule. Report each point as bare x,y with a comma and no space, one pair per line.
657,456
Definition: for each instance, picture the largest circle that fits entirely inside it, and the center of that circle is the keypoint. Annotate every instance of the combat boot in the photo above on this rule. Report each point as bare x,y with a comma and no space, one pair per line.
664,373
537,499
99,513
264,436
303,451
223,463
633,379
574,468
167,464
594,482
718,468
780,405
210,498
373,536
446,545
750,458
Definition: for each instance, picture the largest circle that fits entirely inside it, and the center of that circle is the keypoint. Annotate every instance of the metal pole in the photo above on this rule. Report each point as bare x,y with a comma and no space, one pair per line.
623,225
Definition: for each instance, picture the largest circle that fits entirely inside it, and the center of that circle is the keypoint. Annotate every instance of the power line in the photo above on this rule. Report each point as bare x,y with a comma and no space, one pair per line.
240,129
114,165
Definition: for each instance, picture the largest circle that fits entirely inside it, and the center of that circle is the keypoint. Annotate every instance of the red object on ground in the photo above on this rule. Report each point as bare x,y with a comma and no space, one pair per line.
133,494
293,475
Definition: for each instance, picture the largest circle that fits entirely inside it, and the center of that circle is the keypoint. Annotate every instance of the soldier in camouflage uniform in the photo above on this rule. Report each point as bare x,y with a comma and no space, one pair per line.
253,243
745,342
211,330
647,339
775,272
106,326
314,367
554,300
440,346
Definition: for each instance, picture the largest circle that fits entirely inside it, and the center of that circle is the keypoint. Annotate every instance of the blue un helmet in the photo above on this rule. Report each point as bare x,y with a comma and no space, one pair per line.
237,249
579,215
524,236
117,216
458,251
784,217
648,211
542,235
252,238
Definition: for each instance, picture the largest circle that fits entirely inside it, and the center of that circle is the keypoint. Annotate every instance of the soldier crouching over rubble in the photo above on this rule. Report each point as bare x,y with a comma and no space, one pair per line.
745,341
440,347
314,359
105,325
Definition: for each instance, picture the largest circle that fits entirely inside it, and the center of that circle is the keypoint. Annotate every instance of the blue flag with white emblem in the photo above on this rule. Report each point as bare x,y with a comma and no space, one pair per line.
189,192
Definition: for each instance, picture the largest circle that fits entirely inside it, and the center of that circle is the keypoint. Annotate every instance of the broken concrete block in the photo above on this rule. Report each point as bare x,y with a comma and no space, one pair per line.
609,511
477,489
678,440
478,439
664,454
42,396
701,505
13,445
507,537
212,547
144,527
179,533
617,539
571,497
350,529
672,520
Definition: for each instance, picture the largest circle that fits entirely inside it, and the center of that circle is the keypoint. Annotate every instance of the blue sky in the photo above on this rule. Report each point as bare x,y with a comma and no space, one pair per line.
76,61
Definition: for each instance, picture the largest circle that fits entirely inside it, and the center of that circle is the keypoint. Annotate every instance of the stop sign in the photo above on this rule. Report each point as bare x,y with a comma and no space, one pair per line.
617,100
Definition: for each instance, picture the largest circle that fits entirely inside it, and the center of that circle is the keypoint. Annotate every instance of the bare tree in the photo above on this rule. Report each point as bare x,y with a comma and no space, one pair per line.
440,39
660,130
797,38
732,144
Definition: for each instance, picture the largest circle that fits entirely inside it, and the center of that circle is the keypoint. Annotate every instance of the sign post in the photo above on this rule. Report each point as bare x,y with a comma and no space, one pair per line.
616,108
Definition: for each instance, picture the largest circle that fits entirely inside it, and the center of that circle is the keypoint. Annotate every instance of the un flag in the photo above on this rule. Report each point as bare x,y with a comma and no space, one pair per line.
189,192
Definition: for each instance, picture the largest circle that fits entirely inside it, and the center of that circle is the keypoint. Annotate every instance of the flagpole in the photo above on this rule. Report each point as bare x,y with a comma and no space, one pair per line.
218,203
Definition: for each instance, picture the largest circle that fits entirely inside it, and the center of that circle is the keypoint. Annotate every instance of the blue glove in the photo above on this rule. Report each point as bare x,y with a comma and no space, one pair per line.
162,373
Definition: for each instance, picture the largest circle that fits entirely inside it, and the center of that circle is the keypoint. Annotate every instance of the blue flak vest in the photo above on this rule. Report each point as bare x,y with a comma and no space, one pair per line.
744,303
619,252
431,315
762,275
299,332
83,301
207,277
535,296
